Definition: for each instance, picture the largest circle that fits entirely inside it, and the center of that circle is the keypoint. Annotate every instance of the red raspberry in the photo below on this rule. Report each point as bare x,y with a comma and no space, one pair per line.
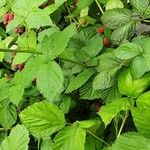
106,41
7,18
101,30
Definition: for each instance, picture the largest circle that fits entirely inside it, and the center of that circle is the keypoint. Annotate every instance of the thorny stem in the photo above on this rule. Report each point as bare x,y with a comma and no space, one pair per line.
99,6
38,53
123,123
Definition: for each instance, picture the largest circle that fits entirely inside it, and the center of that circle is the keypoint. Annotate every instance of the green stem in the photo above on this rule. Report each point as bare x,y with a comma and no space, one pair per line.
20,51
123,123
38,53
2,129
99,6
97,137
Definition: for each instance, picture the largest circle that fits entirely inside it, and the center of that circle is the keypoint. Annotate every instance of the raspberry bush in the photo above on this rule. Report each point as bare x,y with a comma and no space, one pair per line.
74,74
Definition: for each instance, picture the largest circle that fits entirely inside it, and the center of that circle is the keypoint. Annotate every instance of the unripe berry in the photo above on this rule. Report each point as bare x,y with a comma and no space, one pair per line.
106,41
82,21
101,30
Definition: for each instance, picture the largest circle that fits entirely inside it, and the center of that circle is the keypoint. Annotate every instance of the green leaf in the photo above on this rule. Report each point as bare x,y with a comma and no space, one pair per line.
8,114
123,32
31,14
144,43
55,44
20,58
65,104
131,141
16,94
93,46
47,32
88,123
13,24
71,137
50,80
104,79
43,119
132,87
78,81
108,61
128,50
46,144
88,93
17,140
27,41
1,56
141,120
116,17
81,5
29,73
140,6
136,70
110,110
114,4
143,102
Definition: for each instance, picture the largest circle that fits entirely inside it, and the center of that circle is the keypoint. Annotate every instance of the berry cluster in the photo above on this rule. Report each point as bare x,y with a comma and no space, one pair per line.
106,40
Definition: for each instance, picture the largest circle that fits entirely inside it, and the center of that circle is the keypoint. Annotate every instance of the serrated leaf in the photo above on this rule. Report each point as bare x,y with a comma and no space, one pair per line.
88,93
29,73
114,4
81,5
110,110
140,6
46,144
13,24
27,41
143,102
8,114
128,50
16,94
54,45
131,141
104,79
78,81
144,43
20,58
136,70
123,33
31,14
141,120
47,121
93,46
116,17
65,104
108,61
132,87
17,140
50,80
71,137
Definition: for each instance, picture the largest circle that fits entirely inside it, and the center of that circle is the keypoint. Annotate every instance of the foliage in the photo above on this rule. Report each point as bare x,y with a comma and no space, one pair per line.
74,74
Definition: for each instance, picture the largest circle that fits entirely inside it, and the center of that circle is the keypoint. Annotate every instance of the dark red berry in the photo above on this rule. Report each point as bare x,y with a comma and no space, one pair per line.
20,66
97,106
101,30
106,41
